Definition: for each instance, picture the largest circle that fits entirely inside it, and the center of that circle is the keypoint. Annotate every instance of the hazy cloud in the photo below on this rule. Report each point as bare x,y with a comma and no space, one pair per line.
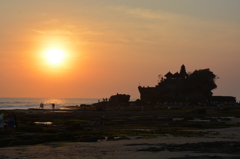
40,31
51,21
71,26
145,13
54,32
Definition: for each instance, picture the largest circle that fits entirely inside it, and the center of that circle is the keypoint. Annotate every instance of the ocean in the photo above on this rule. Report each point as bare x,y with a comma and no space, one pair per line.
26,103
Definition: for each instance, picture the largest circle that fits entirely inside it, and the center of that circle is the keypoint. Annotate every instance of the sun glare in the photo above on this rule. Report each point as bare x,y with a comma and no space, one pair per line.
54,56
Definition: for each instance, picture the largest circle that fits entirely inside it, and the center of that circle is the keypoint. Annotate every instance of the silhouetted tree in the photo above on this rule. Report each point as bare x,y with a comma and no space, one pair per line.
203,80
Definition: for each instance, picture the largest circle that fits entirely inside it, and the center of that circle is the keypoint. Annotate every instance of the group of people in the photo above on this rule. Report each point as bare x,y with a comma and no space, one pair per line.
42,105
8,121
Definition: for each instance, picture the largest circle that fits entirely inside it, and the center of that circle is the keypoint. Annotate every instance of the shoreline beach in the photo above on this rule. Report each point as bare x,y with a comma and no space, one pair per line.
127,148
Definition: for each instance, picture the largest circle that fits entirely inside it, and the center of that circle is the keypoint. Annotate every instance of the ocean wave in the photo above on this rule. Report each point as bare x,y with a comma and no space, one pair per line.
26,103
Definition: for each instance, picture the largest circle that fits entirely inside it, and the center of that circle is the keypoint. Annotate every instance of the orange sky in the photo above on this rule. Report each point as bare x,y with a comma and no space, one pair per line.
111,47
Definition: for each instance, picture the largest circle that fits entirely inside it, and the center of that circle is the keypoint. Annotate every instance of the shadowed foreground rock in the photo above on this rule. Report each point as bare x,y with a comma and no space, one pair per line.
229,147
77,125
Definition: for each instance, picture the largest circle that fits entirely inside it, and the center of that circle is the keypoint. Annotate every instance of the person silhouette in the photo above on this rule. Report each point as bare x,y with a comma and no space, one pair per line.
41,105
53,105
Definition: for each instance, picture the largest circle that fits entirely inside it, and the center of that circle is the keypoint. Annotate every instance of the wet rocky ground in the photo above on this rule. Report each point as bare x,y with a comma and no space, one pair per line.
75,125
224,147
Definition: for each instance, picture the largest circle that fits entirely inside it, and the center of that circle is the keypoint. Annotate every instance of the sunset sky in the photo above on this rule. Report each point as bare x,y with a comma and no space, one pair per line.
113,46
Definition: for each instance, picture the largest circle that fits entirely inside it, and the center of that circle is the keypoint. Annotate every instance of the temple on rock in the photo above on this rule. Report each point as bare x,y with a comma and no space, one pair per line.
183,87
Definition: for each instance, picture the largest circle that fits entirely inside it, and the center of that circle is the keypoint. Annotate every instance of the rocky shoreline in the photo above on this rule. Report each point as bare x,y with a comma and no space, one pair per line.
38,126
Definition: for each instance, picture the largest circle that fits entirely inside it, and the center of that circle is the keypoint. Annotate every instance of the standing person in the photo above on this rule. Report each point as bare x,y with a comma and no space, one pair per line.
53,105
41,105
12,122
84,108
15,117
2,120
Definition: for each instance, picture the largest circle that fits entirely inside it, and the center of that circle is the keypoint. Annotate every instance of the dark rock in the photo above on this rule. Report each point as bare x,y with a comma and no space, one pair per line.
111,137
123,138
225,109
119,98
66,137
75,127
27,136
227,147
5,142
225,119
25,142
89,139
152,149
213,120
188,118
199,111
31,128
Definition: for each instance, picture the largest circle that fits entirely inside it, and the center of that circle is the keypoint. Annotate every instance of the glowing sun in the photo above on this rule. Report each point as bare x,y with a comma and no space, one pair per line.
55,56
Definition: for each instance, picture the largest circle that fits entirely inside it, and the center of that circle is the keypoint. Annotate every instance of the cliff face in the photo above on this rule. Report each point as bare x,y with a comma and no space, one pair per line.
181,87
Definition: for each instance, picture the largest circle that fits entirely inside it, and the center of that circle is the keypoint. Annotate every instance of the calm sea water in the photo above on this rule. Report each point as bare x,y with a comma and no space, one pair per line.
26,103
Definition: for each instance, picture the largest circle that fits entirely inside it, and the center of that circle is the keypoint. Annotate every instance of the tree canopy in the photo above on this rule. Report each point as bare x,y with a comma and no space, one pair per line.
204,79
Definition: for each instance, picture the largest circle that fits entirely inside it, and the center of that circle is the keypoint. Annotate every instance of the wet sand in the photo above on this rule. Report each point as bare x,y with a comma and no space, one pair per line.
122,149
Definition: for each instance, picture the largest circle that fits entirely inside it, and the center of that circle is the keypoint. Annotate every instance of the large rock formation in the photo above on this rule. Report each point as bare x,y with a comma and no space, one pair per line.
119,99
181,87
